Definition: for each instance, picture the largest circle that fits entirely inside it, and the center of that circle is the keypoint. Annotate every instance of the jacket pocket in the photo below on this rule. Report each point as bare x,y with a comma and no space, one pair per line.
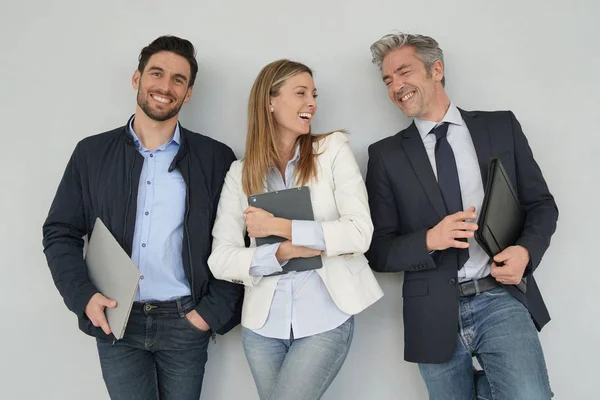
355,263
415,287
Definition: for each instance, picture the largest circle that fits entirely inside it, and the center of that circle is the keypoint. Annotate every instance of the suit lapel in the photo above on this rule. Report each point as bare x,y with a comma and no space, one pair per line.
415,151
481,141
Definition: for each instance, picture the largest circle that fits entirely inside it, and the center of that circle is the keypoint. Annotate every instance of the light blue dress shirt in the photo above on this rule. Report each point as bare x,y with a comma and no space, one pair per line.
301,301
469,176
158,235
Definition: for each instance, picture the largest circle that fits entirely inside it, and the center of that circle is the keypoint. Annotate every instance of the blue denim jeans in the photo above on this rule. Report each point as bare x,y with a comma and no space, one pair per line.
497,329
297,369
161,356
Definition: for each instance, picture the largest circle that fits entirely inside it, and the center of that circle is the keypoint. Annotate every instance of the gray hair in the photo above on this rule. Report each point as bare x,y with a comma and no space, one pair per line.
427,49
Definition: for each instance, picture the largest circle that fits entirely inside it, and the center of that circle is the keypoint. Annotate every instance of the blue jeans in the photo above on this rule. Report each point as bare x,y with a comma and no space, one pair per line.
497,329
297,369
161,356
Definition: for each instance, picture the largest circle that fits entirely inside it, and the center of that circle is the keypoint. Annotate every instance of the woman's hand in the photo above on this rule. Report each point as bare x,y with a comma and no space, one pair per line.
287,251
259,222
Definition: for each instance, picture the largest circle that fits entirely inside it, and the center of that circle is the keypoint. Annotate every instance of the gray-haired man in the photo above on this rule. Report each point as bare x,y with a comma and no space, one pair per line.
425,184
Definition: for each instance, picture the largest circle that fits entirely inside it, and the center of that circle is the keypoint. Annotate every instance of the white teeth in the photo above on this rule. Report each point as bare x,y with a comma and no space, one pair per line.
305,115
161,99
408,96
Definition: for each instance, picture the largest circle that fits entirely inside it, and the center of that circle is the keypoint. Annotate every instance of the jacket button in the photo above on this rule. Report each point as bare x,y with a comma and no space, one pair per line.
452,281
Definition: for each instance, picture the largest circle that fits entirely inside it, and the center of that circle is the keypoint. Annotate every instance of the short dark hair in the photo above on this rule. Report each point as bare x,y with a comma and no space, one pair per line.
176,45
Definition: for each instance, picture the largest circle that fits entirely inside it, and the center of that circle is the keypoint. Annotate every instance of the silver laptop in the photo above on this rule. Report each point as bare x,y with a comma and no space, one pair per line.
114,274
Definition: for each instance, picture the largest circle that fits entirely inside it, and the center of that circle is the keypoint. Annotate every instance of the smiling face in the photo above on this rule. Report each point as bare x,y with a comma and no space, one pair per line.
413,88
163,86
295,105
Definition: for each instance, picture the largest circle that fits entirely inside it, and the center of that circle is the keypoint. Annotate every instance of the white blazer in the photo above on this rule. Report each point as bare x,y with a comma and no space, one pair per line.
340,203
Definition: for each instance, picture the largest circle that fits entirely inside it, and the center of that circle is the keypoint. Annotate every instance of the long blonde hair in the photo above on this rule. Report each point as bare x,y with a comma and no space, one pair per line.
261,145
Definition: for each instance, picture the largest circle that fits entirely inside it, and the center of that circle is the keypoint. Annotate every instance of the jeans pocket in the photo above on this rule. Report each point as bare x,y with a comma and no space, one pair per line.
194,327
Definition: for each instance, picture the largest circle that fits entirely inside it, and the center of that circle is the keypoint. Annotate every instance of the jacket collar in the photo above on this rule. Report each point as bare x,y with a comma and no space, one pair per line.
183,134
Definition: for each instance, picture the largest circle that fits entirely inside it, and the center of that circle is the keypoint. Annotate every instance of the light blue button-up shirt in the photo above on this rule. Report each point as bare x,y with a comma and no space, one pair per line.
469,176
158,235
301,301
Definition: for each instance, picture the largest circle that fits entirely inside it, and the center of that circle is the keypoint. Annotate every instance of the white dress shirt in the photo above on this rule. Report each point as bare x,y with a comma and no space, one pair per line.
469,175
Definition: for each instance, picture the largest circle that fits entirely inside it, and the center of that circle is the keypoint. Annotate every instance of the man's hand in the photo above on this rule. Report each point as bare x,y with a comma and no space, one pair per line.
515,260
287,251
196,320
445,234
95,311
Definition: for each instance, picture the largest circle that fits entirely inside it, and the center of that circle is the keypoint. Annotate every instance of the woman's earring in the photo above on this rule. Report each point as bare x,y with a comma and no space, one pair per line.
272,109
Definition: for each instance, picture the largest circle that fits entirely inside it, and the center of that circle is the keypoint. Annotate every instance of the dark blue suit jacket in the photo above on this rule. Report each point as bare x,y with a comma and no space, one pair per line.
405,202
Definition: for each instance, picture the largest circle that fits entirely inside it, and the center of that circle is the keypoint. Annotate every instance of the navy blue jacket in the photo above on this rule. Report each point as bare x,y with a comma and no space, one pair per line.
101,180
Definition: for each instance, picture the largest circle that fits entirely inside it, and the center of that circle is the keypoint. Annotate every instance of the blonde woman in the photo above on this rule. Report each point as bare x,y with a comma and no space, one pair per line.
297,326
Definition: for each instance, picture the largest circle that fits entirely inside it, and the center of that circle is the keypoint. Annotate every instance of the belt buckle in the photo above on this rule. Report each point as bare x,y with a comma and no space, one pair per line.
468,288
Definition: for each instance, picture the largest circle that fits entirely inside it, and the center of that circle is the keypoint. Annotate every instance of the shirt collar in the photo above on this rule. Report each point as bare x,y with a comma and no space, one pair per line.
294,160
452,116
175,139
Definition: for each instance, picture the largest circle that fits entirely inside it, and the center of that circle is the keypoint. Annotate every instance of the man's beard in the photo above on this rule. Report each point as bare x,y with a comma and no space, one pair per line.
158,116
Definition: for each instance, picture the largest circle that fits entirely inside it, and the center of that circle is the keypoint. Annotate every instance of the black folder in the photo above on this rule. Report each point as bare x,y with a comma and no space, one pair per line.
501,218
293,204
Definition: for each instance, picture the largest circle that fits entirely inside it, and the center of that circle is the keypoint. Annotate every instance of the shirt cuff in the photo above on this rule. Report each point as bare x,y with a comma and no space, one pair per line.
308,234
265,261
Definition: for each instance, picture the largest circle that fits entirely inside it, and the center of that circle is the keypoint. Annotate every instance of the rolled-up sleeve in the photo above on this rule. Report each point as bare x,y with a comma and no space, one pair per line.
265,260
308,234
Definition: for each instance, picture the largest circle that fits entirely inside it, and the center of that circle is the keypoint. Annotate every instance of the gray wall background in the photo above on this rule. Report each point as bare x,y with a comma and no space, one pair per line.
65,70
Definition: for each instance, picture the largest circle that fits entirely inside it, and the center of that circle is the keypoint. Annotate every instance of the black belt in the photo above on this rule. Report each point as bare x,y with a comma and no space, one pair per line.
178,306
477,286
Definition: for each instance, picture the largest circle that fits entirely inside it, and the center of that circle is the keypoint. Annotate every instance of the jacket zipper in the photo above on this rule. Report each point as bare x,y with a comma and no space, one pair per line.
130,178
128,197
187,236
